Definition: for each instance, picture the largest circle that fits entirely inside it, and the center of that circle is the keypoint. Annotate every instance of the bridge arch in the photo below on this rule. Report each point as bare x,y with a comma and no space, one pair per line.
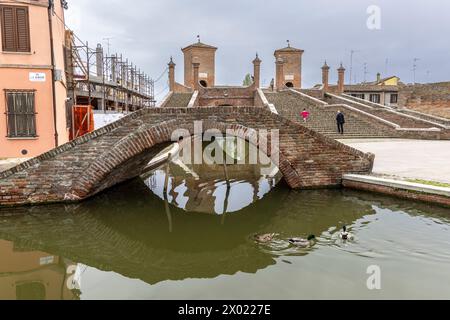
129,156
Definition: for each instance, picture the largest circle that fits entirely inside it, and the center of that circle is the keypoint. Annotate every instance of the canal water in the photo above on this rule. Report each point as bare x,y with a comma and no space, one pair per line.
196,241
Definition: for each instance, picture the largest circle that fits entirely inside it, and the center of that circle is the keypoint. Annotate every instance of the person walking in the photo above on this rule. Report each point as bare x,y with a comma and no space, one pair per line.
340,119
305,115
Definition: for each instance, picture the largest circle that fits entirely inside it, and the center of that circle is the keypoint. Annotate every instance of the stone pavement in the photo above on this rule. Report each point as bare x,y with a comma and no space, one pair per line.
417,159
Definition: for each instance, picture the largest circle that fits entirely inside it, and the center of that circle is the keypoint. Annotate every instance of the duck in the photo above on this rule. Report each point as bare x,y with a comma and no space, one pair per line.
345,235
264,238
304,243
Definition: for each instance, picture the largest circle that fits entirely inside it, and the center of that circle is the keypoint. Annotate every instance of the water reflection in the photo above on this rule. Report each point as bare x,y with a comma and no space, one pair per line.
35,275
213,194
127,230
213,188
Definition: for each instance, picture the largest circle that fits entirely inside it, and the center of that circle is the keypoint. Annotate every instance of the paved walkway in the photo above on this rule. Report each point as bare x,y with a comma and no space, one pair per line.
418,159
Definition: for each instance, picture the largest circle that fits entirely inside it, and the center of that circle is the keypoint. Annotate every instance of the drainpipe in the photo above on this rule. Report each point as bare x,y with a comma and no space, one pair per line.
52,49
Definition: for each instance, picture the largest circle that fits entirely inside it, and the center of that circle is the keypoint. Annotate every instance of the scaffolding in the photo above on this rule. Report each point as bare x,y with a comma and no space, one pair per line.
105,82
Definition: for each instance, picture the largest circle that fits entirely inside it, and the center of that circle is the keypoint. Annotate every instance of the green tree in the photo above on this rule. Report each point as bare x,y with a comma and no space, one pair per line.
248,81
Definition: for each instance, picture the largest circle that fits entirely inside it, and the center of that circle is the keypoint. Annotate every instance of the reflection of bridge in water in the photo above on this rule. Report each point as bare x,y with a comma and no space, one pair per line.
208,189
138,244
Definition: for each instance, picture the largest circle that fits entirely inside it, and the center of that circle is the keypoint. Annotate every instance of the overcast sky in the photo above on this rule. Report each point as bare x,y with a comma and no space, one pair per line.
148,32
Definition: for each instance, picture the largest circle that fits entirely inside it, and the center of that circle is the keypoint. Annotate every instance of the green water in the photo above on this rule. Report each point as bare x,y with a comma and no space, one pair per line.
133,242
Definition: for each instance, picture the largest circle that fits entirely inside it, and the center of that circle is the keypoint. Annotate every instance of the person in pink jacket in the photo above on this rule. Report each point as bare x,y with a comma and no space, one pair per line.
305,115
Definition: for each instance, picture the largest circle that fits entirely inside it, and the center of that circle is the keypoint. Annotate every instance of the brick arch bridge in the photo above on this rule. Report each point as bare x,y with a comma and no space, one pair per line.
119,152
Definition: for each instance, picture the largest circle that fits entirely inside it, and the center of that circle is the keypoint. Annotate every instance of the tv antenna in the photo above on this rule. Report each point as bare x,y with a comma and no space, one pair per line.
108,43
352,52
415,68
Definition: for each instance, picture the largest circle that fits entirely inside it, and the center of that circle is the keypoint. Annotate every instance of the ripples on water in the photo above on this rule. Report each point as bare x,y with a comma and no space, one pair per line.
196,241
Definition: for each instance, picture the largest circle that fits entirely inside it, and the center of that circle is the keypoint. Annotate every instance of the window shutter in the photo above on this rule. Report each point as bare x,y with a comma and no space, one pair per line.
8,30
21,115
23,30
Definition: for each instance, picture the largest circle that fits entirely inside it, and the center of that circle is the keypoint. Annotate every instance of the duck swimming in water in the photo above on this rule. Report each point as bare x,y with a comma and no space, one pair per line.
264,238
304,243
345,235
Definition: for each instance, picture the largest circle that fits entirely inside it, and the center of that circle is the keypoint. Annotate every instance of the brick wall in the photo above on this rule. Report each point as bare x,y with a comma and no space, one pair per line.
206,58
433,98
318,94
418,196
231,96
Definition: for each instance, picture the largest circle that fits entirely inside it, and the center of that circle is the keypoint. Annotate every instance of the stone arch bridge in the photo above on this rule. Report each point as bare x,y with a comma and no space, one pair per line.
121,150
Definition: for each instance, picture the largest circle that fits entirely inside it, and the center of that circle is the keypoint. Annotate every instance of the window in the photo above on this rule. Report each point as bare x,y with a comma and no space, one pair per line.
15,29
375,98
30,291
20,114
394,98
359,95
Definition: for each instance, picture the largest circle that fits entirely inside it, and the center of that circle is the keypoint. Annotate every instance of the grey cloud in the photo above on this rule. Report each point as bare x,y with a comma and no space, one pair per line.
149,32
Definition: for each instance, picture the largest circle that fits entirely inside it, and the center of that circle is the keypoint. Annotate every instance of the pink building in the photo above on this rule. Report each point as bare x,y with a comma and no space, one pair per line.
32,77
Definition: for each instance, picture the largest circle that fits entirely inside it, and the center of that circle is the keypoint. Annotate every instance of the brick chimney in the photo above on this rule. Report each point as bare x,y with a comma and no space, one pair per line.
280,74
378,77
341,79
325,76
171,75
196,68
256,71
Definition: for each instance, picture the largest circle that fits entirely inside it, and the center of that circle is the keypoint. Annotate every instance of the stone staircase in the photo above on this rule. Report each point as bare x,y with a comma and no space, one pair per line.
178,100
427,117
402,119
323,120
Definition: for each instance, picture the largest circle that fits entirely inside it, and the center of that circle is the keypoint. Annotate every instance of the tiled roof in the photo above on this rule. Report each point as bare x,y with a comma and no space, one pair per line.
289,49
199,45
382,80
368,88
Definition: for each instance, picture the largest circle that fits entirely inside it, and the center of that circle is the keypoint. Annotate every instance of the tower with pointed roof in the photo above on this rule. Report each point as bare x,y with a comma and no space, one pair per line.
292,66
325,76
257,71
341,79
205,56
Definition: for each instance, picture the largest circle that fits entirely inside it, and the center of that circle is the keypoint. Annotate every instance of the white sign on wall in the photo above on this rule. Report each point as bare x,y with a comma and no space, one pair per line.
289,77
37,77
203,75
46,260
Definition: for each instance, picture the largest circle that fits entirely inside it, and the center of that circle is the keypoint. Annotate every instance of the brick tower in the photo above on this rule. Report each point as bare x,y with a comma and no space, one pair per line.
205,56
292,66
325,76
341,79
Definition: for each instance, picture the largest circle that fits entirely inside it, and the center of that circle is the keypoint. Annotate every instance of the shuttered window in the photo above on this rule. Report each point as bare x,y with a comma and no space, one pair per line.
15,29
20,114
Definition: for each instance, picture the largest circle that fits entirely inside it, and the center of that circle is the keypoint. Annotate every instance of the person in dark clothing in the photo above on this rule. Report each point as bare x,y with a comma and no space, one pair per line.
340,119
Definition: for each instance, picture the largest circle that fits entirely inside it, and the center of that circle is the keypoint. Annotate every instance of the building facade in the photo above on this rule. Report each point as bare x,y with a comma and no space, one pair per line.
382,91
32,78
203,56
288,67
